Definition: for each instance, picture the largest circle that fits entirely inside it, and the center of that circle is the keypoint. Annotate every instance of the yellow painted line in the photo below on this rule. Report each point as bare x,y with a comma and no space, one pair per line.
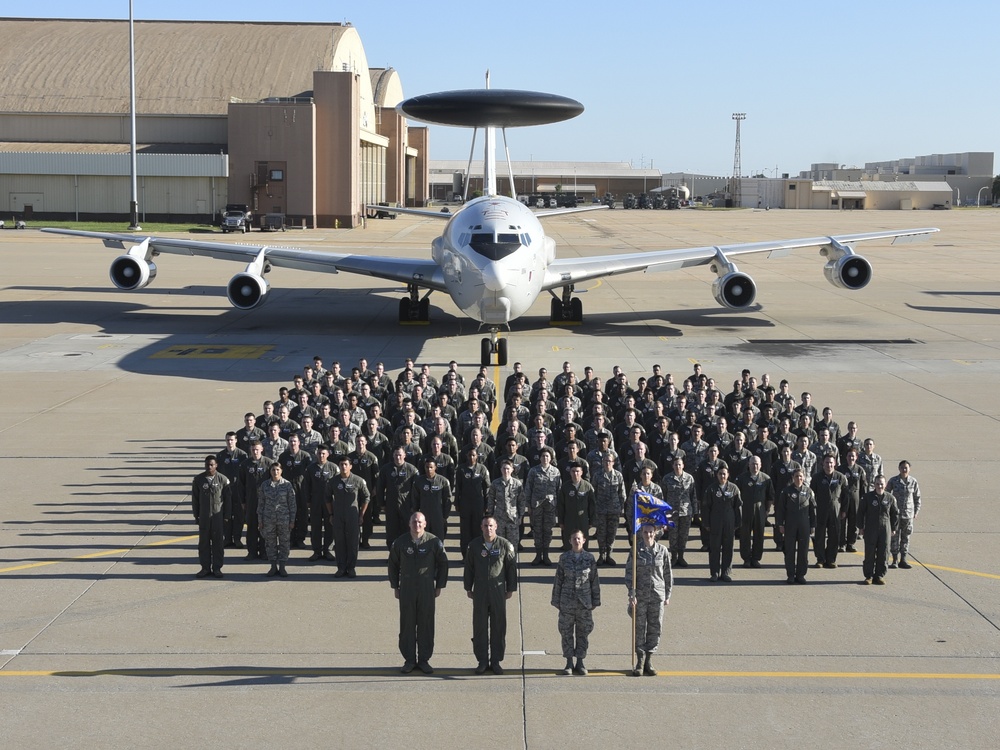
211,351
105,553
495,422
467,672
960,570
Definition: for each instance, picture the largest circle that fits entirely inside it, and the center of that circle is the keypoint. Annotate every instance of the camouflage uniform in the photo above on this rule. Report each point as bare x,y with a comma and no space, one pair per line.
653,583
680,494
609,489
576,591
907,494
276,507
505,502
251,474
540,493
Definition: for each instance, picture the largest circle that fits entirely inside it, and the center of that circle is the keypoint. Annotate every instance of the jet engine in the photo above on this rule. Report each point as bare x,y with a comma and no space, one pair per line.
734,290
848,272
130,273
247,291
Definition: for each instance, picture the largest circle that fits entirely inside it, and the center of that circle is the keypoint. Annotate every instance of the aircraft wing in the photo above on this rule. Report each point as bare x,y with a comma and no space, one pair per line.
563,271
425,212
425,273
560,211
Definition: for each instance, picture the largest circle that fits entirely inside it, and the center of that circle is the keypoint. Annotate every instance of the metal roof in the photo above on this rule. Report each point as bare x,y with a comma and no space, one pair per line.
875,186
182,67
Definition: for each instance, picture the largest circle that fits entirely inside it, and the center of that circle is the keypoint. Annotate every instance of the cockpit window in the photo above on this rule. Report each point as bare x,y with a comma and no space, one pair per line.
495,248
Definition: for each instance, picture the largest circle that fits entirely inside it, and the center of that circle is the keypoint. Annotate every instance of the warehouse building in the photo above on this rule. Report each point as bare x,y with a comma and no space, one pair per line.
285,117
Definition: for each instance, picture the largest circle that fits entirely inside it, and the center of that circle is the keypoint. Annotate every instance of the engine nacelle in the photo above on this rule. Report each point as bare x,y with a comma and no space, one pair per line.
131,273
734,290
848,272
247,291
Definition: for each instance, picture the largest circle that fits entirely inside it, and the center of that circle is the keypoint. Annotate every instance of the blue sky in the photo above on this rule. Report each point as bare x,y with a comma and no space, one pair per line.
844,82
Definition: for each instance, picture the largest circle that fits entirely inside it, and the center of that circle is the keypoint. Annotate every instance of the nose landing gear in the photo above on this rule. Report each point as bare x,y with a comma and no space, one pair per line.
493,345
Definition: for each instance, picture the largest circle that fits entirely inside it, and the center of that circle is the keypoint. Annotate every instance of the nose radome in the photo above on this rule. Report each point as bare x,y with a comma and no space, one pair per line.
492,278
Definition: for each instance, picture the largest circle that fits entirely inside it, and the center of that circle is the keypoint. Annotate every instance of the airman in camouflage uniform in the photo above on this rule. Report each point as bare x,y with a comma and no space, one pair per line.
906,490
576,592
505,502
540,492
609,494
681,495
647,598
276,508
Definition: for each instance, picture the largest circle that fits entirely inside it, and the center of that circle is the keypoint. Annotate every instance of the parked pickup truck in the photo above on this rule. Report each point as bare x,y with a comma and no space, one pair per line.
237,218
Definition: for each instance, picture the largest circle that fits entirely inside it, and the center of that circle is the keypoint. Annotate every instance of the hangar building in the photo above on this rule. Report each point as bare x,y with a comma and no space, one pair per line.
285,117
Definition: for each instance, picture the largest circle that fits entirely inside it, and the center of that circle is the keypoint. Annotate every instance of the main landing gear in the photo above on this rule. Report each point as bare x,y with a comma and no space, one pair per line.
493,345
567,310
414,310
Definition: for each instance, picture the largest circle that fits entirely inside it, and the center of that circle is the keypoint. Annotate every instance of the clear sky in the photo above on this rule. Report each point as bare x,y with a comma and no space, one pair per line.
844,82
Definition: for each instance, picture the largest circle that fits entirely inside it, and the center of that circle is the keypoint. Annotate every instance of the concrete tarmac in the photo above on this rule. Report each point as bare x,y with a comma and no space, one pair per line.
112,399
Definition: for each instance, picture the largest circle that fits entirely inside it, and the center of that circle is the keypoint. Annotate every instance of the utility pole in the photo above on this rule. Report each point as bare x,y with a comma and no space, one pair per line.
737,191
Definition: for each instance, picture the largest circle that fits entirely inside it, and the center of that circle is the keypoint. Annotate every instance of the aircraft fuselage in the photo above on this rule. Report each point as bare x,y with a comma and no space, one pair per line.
494,254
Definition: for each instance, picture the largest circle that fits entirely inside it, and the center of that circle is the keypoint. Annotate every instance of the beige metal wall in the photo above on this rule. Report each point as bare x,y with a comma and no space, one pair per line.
103,195
82,128
274,132
338,136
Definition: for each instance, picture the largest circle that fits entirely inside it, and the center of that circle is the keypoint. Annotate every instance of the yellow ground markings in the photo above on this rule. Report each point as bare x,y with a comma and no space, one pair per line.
212,351
512,672
104,553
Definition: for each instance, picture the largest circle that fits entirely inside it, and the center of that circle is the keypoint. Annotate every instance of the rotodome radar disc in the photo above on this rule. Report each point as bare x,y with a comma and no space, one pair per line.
498,108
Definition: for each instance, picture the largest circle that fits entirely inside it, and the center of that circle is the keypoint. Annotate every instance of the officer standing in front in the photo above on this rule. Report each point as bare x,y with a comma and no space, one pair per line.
346,504
576,592
878,516
418,571
211,503
828,485
490,580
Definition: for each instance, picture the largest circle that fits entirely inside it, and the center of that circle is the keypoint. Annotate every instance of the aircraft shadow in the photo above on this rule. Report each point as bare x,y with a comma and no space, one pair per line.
353,323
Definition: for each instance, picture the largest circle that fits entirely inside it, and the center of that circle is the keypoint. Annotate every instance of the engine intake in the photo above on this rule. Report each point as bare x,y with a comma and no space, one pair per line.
734,290
247,291
130,273
848,272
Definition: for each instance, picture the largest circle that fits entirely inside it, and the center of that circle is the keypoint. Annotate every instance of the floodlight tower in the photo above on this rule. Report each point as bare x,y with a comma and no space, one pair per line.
737,191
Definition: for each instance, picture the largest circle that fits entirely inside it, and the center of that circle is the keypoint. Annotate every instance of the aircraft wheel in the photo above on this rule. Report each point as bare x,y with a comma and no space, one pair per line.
424,310
555,310
485,353
502,352
404,310
576,306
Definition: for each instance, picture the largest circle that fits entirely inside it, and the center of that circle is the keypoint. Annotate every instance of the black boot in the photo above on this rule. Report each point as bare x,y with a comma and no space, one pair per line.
637,669
579,668
568,669
647,667
273,571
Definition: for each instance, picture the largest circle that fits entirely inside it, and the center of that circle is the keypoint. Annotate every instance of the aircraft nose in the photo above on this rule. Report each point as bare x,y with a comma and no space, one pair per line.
493,278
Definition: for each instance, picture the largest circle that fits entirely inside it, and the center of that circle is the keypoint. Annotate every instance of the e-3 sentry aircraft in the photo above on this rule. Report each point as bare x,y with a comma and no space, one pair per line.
493,258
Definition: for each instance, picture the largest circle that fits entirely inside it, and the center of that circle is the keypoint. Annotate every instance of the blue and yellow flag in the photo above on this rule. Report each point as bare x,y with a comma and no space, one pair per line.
650,509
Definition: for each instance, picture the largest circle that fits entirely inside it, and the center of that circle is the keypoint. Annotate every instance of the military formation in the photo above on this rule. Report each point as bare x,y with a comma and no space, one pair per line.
545,465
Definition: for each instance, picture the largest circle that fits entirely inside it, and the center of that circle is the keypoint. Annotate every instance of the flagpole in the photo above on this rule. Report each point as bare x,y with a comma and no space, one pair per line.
635,552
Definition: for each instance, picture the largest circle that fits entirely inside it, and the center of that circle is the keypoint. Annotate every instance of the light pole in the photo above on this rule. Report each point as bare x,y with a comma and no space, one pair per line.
133,206
979,198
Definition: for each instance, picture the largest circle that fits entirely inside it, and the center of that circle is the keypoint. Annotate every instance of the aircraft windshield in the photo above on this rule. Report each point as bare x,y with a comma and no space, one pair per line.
495,248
